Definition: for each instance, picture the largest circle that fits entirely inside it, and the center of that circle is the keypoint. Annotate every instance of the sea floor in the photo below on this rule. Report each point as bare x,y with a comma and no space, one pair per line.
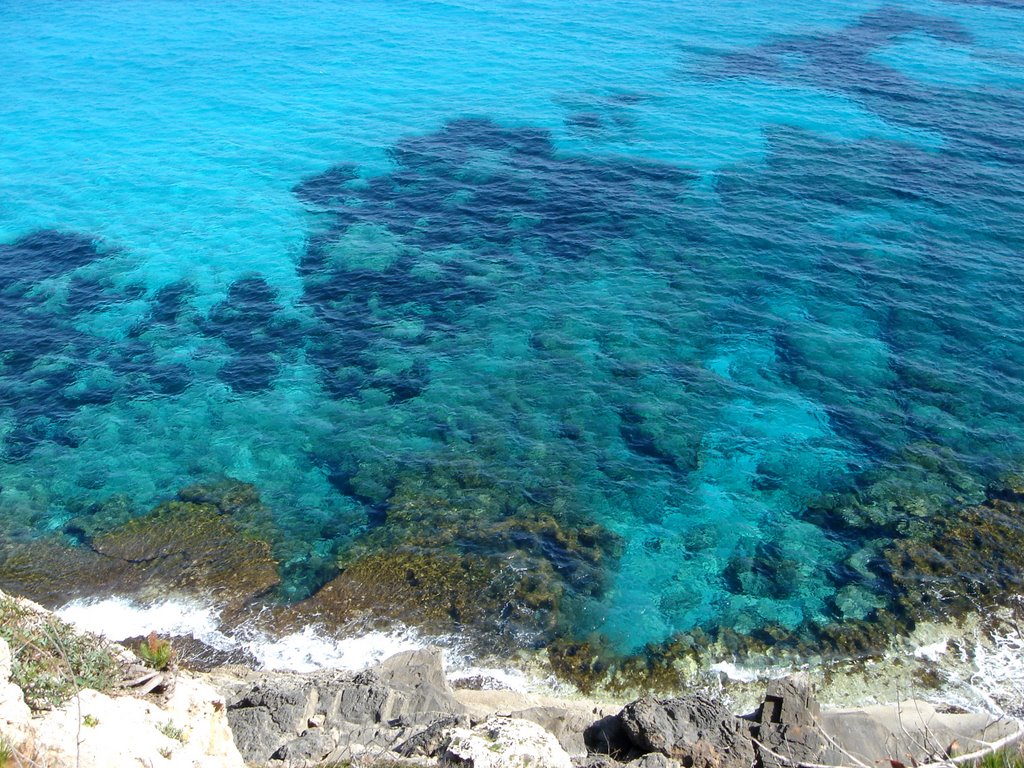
616,330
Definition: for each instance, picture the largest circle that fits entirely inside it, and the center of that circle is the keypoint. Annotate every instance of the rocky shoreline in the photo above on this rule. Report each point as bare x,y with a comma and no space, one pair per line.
405,711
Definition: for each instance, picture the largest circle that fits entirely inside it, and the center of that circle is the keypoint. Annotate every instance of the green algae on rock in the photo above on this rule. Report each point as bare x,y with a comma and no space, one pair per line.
206,546
459,552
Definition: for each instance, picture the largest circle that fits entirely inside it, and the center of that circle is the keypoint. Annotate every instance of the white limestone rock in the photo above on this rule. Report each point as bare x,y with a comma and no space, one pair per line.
506,742
189,730
14,712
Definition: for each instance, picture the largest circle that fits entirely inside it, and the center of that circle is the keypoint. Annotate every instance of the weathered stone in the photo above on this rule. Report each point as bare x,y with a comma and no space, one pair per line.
565,725
430,741
290,701
788,722
310,748
255,733
377,708
504,742
655,760
99,731
596,761
361,699
419,680
695,729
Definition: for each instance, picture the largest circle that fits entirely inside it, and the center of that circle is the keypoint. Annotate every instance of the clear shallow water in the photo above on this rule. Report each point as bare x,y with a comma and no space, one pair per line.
687,272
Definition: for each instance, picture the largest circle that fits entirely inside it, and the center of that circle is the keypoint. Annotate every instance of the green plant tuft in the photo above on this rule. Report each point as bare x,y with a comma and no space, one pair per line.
171,731
156,652
1010,757
6,752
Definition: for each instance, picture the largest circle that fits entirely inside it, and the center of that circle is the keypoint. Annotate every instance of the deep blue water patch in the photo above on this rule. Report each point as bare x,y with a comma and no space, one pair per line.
250,322
51,366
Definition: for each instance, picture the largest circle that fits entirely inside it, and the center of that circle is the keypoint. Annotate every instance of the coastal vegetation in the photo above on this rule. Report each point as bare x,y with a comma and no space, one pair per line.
50,660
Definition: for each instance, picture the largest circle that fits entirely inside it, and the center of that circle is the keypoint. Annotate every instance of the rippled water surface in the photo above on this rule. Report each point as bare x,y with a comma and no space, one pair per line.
740,282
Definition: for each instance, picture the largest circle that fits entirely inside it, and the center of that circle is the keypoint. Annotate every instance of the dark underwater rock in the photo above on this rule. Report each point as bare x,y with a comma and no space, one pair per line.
325,188
45,254
55,363
455,551
251,322
437,591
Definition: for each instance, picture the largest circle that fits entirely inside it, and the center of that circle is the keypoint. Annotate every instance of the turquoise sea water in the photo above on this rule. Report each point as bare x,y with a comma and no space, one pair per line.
686,270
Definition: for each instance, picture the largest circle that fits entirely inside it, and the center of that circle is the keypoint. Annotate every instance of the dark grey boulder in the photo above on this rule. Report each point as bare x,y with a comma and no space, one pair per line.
256,734
290,701
607,736
697,730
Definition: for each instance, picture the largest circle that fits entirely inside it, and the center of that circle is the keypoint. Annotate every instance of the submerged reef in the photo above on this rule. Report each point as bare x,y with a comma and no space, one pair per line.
56,358
961,561
205,543
463,560
249,321
503,583
469,212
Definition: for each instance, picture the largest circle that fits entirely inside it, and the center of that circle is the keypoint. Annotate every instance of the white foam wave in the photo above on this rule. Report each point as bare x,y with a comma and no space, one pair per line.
309,650
118,618
932,651
304,651
749,674
999,675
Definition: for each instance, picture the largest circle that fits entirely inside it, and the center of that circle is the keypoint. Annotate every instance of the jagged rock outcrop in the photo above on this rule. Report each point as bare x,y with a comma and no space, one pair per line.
788,723
301,719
